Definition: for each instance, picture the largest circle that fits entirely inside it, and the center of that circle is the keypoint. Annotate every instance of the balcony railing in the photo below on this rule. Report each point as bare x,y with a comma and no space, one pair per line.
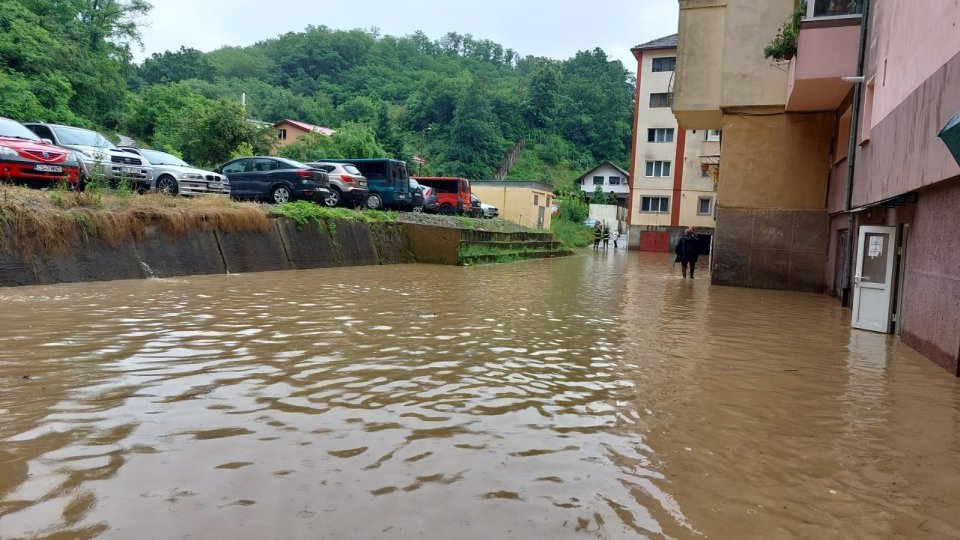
818,9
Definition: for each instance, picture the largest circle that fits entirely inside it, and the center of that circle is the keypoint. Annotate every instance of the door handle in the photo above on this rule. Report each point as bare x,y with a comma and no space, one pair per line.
857,278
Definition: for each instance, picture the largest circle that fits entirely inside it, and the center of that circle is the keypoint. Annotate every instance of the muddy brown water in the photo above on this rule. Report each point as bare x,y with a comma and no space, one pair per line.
597,396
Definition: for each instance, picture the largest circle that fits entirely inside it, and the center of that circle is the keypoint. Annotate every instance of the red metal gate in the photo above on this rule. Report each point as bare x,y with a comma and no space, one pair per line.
654,241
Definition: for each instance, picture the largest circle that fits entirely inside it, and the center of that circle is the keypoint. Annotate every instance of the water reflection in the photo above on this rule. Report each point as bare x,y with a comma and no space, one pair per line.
594,395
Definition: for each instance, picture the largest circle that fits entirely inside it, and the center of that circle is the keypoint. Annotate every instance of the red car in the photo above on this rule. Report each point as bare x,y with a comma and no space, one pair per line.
26,159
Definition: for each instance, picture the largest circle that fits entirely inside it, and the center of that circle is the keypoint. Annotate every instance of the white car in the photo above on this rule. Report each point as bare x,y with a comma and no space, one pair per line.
174,176
489,211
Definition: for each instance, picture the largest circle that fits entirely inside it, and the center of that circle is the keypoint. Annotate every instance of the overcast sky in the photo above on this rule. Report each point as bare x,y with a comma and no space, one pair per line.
556,29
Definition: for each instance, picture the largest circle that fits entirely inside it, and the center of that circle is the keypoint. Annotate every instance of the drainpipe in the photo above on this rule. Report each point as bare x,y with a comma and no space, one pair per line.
852,151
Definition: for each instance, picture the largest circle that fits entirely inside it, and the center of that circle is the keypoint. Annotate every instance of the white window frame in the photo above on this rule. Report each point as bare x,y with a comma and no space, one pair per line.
610,180
661,169
600,183
713,135
709,206
660,135
663,208
660,99
282,134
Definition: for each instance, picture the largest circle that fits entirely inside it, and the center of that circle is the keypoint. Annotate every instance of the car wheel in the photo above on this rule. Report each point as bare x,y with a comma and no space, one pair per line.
374,201
167,185
417,209
333,199
447,209
280,194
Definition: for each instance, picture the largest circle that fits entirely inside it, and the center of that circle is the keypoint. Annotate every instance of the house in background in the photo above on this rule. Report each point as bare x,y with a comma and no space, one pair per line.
524,203
674,170
609,178
291,130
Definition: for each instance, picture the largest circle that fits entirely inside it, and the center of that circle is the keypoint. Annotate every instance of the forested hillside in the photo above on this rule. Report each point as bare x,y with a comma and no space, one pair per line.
459,102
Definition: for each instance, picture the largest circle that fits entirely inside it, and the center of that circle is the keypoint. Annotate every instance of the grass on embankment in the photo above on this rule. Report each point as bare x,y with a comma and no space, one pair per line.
56,220
572,235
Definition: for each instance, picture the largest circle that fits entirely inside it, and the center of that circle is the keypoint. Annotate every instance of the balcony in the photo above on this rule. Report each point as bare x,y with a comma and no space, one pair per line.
826,51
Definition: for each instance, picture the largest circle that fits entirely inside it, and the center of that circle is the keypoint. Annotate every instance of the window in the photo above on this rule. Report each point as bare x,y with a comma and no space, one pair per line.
282,134
237,166
43,132
667,63
660,100
536,200
660,205
704,205
614,180
658,168
265,165
660,135
598,180
713,135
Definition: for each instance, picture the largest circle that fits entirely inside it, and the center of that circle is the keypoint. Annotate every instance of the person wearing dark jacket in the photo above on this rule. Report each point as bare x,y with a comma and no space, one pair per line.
597,234
688,251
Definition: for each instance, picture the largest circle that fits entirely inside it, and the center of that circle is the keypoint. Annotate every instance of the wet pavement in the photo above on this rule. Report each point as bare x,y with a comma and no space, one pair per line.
597,396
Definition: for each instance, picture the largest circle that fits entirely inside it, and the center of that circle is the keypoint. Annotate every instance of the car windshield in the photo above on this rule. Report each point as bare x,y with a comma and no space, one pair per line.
352,170
163,158
9,128
414,184
82,137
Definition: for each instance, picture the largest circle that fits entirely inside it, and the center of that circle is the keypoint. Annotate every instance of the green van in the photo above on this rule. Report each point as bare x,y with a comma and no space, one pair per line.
388,183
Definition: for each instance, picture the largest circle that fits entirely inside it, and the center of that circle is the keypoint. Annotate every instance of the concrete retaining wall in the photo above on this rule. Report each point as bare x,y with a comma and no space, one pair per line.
154,252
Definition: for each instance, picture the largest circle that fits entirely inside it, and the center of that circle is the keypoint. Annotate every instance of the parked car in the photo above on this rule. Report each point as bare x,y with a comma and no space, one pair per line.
26,159
590,222
347,183
430,203
489,211
387,181
453,193
98,156
274,179
475,206
416,196
174,176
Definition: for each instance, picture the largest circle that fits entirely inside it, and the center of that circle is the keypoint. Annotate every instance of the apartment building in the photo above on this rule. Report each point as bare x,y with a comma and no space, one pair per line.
868,90
673,170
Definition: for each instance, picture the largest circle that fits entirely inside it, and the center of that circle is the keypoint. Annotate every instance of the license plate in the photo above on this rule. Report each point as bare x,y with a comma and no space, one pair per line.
47,168
130,170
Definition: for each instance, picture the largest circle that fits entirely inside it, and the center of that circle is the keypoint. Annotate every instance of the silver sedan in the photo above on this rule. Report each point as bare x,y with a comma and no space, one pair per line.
174,176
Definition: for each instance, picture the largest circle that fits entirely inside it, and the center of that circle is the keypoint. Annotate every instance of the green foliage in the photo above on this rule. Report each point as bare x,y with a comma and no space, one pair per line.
598,197
460,102
572,209
350,140
571,234
303,212
784,44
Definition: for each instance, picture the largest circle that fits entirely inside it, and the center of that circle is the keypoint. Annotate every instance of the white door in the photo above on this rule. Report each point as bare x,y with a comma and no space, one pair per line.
873,281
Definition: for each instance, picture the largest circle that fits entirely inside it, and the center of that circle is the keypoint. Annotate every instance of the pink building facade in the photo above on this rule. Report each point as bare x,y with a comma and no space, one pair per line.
904,175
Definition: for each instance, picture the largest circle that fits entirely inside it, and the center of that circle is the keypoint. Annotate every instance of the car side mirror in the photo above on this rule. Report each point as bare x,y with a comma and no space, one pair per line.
217,170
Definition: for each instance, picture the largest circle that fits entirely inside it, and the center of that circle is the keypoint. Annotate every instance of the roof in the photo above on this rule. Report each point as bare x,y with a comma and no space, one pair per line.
307,127
523,184
666,42
605,163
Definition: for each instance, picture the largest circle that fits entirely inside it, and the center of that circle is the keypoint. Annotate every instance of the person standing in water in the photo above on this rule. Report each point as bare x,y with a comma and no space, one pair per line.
606,236
616,236
688,251
597,234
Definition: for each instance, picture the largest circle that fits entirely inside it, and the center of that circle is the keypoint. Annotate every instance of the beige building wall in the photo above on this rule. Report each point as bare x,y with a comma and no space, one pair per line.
720,60
698,184
517,203
293,133
693,186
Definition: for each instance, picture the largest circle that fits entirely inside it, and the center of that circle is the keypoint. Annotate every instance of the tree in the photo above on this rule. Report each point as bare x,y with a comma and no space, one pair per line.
598,196
543,95
476,147
207,132
174,66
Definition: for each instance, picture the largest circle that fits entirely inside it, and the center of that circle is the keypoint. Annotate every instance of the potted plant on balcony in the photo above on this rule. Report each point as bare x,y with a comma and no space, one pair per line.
784,45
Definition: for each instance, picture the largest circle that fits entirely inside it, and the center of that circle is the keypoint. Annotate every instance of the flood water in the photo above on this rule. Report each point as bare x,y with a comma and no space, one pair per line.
597,396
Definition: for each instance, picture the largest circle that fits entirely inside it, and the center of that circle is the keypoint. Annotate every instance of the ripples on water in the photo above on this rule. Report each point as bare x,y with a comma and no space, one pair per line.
594,396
